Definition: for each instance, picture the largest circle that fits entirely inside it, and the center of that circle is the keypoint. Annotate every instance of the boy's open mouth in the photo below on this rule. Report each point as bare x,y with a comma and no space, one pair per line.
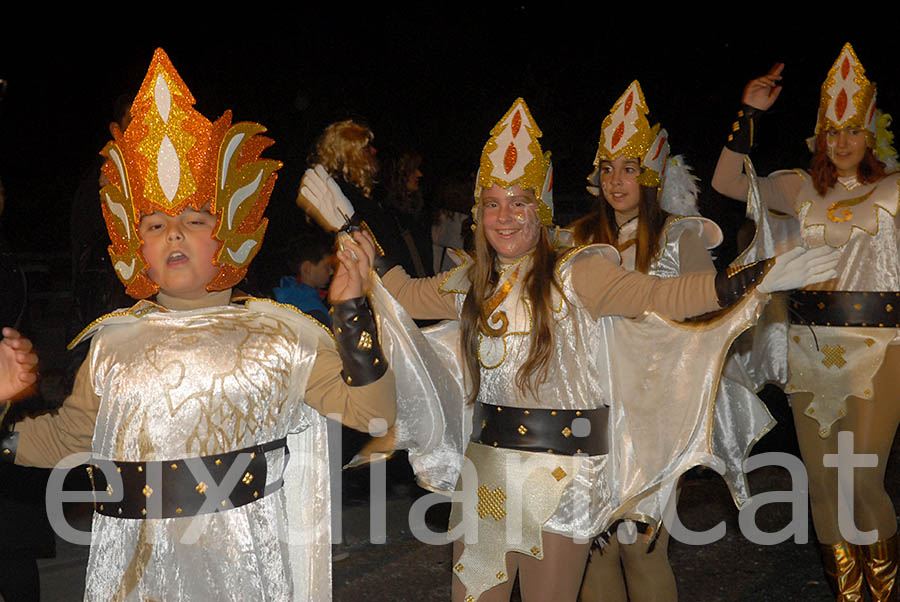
176,257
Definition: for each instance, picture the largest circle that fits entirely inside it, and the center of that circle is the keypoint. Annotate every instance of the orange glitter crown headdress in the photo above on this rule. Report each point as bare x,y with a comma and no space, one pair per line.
513,156
627,133
169,158
848,97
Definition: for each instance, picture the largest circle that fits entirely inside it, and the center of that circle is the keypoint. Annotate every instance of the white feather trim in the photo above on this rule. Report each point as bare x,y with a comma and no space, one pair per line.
679,189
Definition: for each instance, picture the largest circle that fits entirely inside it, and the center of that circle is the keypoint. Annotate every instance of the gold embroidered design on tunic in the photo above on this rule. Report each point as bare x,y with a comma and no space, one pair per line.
265,343
834,356
491,502
491,305
844,206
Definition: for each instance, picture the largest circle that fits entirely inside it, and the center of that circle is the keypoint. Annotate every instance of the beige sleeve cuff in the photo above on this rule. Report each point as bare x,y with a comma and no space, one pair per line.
327,393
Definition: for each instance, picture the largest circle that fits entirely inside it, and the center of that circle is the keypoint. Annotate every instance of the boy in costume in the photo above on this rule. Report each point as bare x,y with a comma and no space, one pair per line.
191,404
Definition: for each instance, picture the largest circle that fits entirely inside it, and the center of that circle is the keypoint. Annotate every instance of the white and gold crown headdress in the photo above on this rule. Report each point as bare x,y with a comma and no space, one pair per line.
513,156
627,133
848,97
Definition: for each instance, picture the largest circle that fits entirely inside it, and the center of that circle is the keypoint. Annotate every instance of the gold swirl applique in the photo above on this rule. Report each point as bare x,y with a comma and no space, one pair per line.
491,305
844,207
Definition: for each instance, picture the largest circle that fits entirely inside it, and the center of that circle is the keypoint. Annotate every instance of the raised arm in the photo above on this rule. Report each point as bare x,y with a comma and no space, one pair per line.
729,178
420,297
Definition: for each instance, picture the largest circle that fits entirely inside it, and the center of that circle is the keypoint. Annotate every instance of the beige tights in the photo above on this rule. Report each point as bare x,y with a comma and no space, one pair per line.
874,424
649,576
556,577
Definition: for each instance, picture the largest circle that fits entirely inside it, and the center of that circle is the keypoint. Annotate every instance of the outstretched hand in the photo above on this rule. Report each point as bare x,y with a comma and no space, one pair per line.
352,274
762,92
798,268
18,364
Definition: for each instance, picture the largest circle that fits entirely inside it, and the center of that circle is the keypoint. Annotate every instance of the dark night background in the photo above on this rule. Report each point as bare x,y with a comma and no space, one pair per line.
434,81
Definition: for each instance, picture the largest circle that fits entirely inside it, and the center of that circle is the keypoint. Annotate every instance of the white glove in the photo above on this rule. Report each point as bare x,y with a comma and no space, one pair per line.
800,267
321,197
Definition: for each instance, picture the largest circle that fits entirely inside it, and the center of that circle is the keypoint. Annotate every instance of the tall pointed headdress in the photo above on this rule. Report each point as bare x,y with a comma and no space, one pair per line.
169,158
848,97
627,133
513,156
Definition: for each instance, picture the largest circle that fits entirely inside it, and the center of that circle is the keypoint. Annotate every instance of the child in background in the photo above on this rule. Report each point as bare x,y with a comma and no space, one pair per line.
311,260
191,402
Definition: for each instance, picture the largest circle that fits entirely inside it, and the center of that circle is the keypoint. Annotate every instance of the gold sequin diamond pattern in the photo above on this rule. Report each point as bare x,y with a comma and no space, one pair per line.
558,473
834,356
491,502
522,429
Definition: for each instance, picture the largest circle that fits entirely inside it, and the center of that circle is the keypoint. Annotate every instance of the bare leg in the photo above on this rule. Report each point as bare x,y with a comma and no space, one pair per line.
603,579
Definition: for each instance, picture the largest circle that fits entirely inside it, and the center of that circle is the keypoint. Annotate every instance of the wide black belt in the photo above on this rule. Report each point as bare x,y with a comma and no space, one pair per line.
845,308
566,432
186,487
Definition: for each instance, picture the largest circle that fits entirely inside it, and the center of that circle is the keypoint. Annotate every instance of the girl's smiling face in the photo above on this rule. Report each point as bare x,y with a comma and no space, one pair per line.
179,251
510,219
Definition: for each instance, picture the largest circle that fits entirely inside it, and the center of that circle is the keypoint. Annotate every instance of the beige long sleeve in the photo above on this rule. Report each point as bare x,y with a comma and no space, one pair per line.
779,192
609,290
46,439
327,393
421,297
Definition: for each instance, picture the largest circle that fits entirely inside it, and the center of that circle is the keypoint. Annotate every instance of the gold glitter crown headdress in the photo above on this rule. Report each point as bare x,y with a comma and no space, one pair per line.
627,133
169,158
513,156
848,97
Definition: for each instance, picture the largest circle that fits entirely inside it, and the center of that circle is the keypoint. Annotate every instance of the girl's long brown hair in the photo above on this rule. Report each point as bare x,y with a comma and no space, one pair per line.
599,226
824,173
539,284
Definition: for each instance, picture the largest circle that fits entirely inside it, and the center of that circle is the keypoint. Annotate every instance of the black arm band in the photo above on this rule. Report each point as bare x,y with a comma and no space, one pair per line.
732,283
8,445
357,342
742,137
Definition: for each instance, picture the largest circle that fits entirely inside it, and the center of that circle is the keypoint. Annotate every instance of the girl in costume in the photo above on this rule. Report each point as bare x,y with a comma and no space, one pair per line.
533,326
842,366
657,230
192,403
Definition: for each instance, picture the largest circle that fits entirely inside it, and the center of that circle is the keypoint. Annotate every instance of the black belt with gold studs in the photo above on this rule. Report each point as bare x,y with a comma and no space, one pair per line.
566,432
186,487
845,308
